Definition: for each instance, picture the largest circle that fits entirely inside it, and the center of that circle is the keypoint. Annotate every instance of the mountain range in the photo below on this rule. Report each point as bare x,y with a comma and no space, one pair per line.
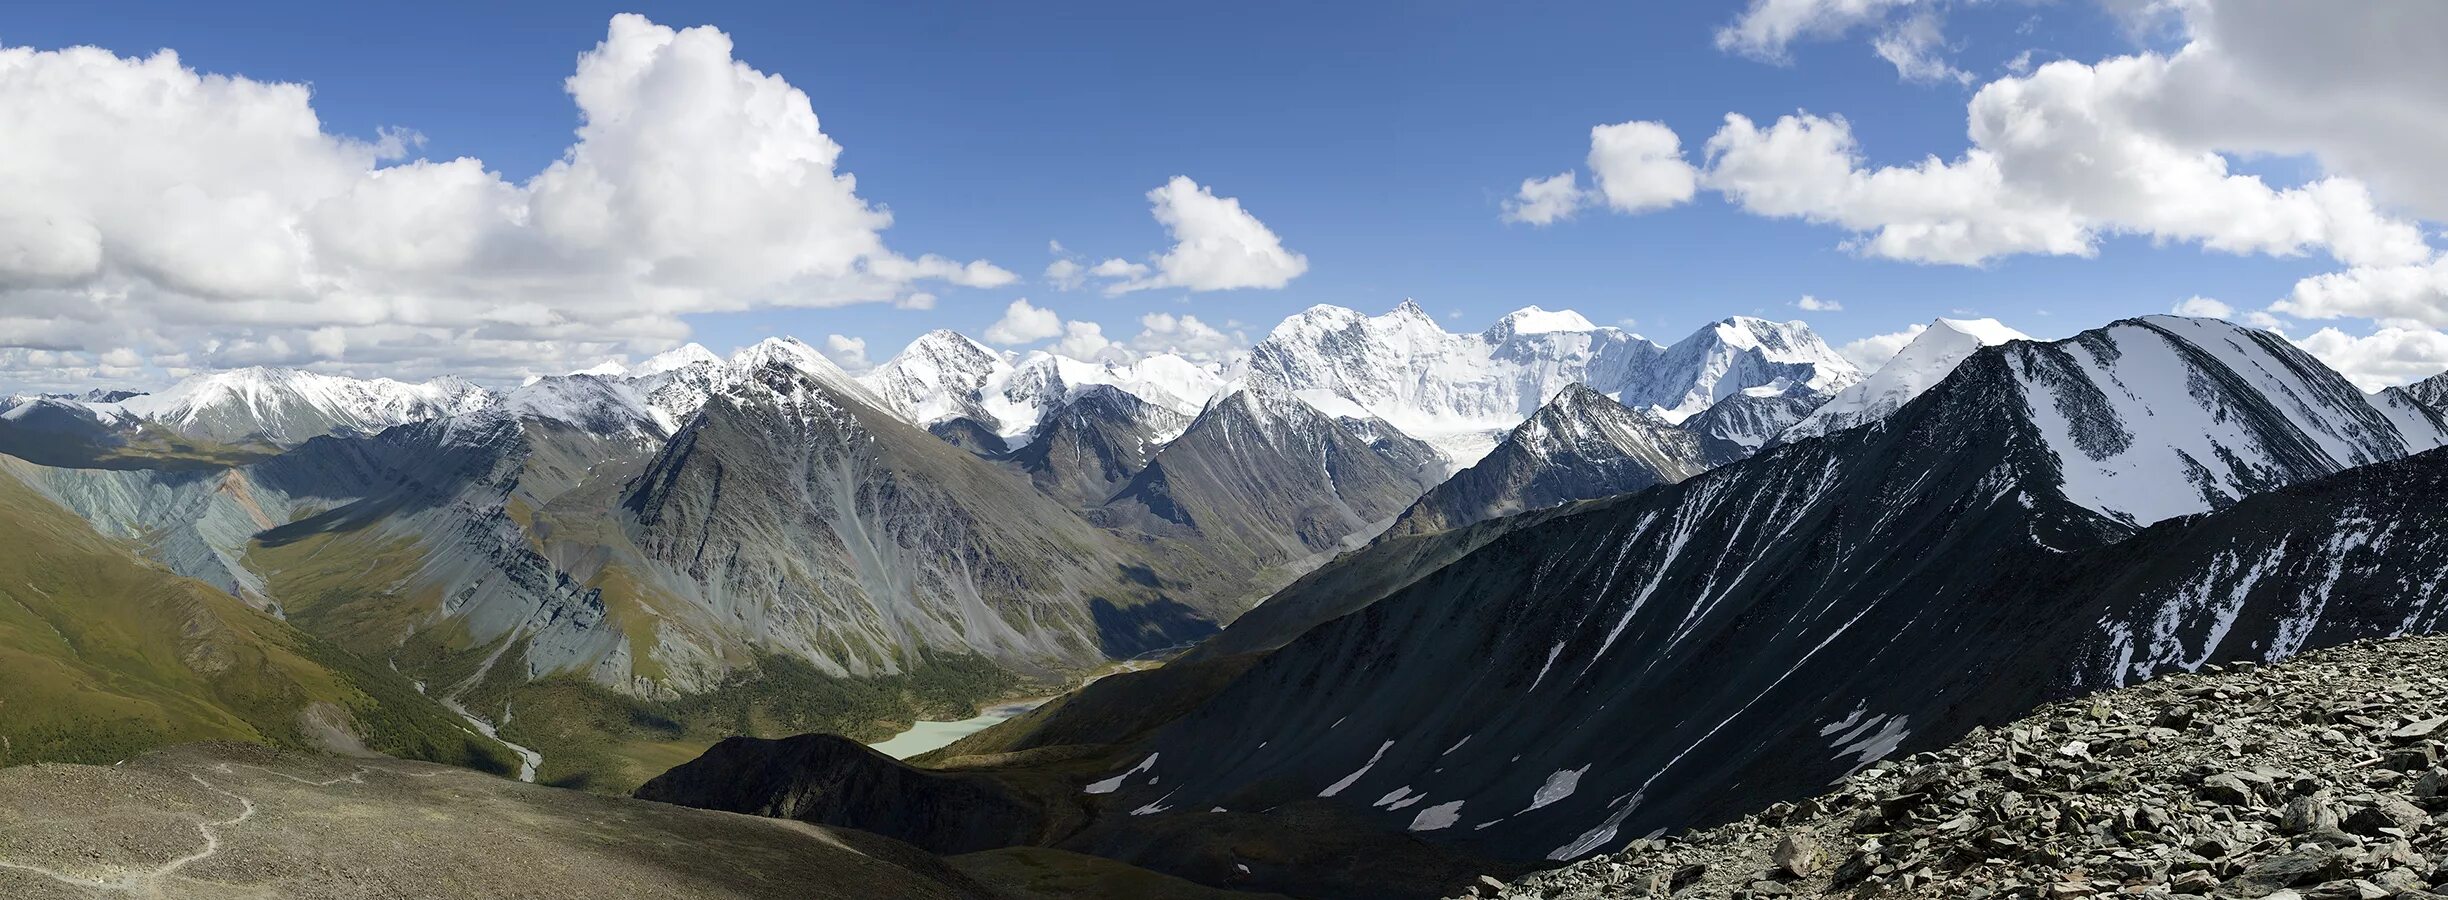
695,538
1511,596
1676,655
2045,519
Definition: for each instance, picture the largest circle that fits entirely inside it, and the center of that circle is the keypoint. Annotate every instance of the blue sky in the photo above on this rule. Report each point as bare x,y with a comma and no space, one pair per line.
1379,144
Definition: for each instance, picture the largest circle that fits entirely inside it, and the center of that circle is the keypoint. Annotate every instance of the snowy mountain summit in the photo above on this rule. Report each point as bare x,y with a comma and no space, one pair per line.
945,376
1931,355
286,406
1462,392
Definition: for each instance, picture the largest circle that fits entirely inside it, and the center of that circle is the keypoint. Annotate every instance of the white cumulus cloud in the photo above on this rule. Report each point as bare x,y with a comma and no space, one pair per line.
1810,303
1187,337
848,352
1639,166
1217,246
1635,167
2198,305
1066,274
1024,323
2413,293
1086,340
1545,201
1908,34
1874,351
210,218
2387,357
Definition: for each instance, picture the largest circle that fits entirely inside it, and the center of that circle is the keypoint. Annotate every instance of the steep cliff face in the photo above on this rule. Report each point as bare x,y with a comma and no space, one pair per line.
1733,356
1741,425
1085,450
1261,482
825,527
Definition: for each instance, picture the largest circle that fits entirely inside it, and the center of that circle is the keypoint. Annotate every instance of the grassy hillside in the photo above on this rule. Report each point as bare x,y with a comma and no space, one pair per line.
596,739
104,655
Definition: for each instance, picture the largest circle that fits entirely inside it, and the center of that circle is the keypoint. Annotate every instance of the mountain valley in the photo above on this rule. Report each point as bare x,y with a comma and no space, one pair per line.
1435,606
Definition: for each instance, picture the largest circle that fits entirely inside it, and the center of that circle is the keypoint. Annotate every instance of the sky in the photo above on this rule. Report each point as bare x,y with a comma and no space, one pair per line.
501,190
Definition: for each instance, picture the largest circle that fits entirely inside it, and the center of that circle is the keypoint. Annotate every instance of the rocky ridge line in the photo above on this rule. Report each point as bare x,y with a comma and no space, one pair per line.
2314,779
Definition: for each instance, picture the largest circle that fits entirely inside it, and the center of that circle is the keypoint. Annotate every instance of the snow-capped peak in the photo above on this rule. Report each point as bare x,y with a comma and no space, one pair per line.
1990,332
945,375
2165,416
1732,355
795,354
611,367
1924,362
941,375
680,357
599,404
1458,392
1534,320
291,405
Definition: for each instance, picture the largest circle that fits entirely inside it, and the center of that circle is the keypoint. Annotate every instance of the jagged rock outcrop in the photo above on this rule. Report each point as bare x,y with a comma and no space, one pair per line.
832,530
1262,482
1580,446
2316,777
1733,356
2430,393
1086,449
1739,426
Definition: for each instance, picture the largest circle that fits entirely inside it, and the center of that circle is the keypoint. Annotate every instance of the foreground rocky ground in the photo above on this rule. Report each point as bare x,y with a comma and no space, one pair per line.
2314,779
213,821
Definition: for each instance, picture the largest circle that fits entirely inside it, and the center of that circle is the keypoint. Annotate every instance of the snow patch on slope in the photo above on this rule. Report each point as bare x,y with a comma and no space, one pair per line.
1917,368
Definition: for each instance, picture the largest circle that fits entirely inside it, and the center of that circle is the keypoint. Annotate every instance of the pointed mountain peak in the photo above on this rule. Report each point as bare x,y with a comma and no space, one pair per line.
680,357
776,363
1410,309
791,353
946,343
1988,331
1921,364
1577,394
611,367
2430,392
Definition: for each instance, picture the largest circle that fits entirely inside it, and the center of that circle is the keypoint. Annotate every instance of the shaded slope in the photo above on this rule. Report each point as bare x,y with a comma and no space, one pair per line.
1086,449
1579,446
1675,655
1738,426
837,533
1263,486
